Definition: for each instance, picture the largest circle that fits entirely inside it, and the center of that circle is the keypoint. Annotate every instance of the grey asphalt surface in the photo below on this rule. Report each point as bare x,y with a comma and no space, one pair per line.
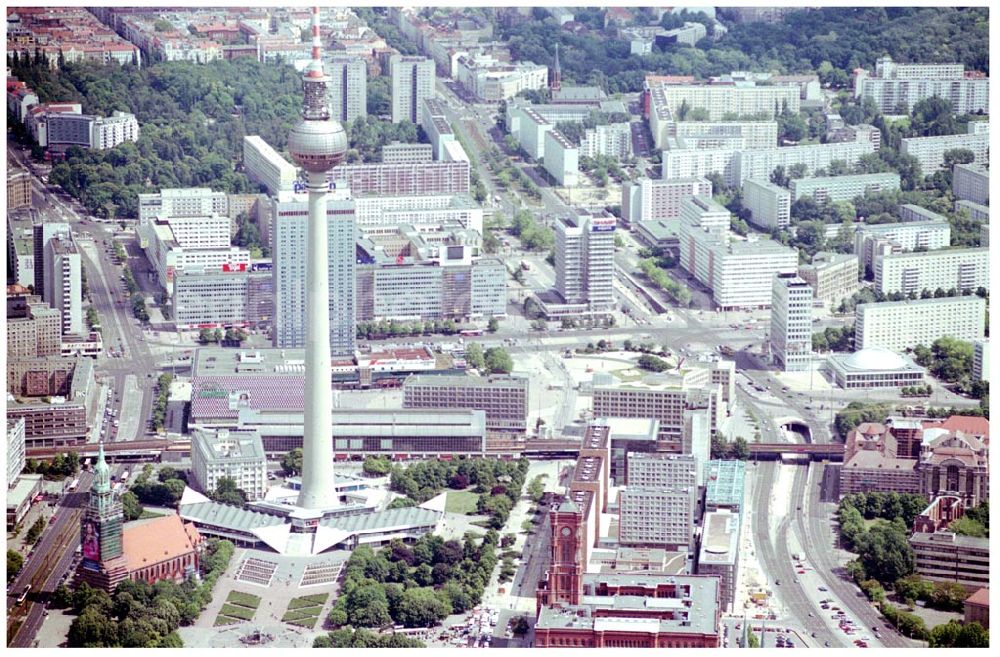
45,567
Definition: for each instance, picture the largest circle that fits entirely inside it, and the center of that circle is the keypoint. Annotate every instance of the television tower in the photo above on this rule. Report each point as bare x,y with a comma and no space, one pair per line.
317,144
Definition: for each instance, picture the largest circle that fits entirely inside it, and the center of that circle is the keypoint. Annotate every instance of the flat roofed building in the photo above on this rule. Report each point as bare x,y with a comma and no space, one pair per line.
183,202
894,83
613,140
981,360
412,81
769,205
725,486
701,162
652,200
874,367
791,323
719,100
901,325
962,269
927,231
930,151
348,90
584,259
976,212
18,189
58,423
435,124
399,153
949,557
667,402
15,450
832,276
238,455
35,335
971,182
740,273
402,178
397,433
207,299
20,493
657,506
843,188
289,235
64,283
760,163
562,159
266,166
503,398
719,554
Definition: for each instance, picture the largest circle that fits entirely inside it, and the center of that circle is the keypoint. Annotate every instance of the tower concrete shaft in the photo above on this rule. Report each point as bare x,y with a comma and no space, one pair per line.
317,462
317,144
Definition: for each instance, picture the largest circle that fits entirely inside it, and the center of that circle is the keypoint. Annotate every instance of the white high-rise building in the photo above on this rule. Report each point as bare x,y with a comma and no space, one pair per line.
266,166
930,151
740,273
613,140
657,506
843,188
348,88
770,206
15,450
562,159
289,242
876,239
40,236
704,212
585,250
182,202
900,325
761,163
651,200
63,285
895,83
238,455
971,182
791,323
726,99
963,269
981,360
412,82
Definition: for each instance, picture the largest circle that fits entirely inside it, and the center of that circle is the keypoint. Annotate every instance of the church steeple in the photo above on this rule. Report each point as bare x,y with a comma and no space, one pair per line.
555,79
102,472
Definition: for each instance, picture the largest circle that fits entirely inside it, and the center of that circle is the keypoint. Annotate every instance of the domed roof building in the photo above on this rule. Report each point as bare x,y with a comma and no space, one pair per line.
875,367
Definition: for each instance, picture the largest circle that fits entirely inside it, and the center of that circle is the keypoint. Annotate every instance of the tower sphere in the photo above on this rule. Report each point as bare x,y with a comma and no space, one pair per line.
317,146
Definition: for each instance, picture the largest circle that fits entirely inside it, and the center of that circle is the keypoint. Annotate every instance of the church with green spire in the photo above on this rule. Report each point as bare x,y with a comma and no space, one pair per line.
102,563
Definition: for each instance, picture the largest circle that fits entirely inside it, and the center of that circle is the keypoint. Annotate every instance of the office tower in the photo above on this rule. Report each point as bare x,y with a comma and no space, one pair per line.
41,234
791,322
63,285
348,88
412,83
290,239
317,144
585,250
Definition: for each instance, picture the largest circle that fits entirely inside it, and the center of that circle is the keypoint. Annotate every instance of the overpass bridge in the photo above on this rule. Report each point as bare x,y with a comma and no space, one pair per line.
817,452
